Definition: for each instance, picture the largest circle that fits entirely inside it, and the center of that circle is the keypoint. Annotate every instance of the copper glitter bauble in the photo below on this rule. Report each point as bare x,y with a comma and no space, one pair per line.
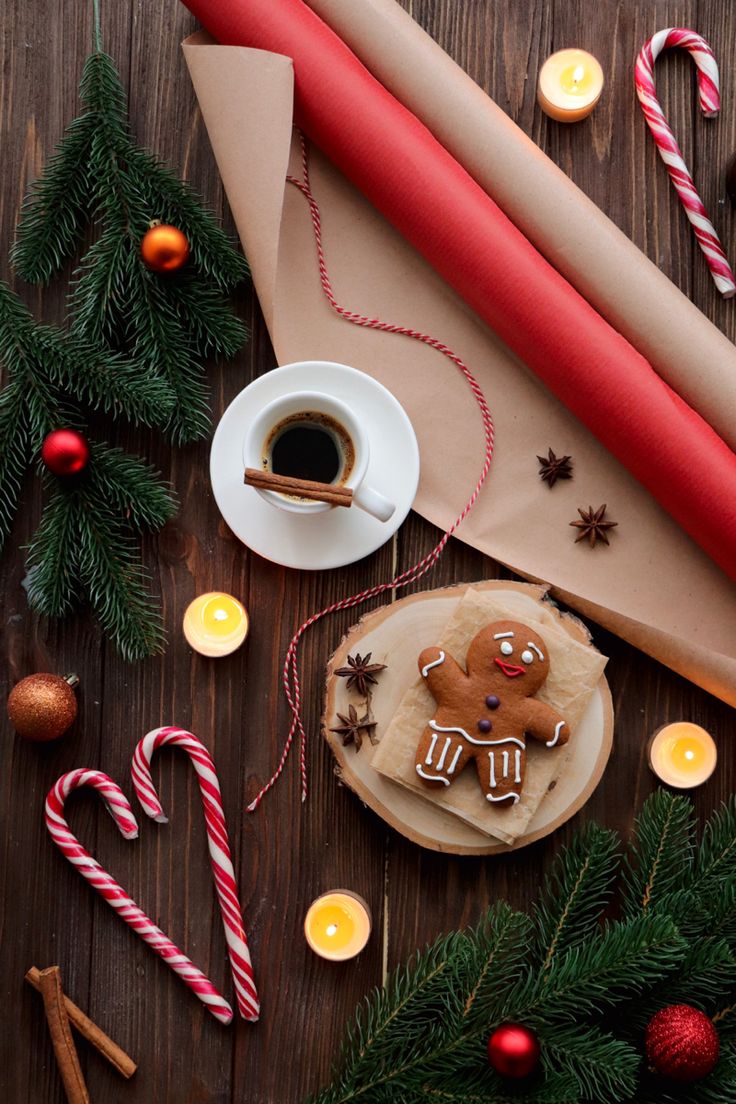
164,248
513,1051
65,452
682,1043
42,707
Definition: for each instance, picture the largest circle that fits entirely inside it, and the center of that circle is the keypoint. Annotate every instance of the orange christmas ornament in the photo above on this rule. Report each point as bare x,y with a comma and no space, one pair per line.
164,248
42,707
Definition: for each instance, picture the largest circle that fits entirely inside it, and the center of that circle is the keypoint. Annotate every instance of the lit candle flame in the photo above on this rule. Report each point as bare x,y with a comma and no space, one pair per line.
578,74
332,929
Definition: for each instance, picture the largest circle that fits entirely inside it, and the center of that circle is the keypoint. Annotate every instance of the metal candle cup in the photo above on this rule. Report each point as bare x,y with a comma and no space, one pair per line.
570,85
215,624
338,925
682,755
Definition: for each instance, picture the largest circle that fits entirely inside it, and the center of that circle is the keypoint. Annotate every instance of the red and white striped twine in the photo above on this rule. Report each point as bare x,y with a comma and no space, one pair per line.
290,674
217,841
710,102
111,891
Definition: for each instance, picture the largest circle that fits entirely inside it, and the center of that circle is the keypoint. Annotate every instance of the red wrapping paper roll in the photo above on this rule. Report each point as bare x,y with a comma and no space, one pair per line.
420,188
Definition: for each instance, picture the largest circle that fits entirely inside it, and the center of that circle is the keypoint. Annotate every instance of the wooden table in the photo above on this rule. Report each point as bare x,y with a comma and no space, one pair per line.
287,854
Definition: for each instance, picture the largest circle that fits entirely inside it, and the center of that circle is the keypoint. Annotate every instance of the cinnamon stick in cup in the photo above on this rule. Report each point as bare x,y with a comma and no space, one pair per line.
300,488
67,1058
114,1054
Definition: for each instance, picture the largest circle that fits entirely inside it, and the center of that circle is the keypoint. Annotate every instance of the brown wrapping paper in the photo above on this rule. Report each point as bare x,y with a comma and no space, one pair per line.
695,358
575,670
653,586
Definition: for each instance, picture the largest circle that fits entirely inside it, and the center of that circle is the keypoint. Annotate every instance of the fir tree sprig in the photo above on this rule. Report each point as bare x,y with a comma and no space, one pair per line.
83,547
568,975
166,324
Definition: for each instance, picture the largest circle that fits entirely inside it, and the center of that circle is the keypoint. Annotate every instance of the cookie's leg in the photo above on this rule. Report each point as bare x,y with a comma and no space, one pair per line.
440,757
501,772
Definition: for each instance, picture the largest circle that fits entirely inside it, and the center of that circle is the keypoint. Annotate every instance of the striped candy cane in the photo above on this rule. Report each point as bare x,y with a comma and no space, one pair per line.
710,103
217,841
113,893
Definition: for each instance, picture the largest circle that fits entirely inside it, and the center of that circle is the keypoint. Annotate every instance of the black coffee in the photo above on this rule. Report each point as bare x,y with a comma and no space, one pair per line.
310,445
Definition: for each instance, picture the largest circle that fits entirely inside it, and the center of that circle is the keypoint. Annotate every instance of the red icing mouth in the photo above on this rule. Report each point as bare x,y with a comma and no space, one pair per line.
510,669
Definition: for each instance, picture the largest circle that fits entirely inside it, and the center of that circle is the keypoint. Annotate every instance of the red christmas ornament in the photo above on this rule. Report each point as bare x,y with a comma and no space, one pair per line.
682,1043
65,452
513,1051
164,248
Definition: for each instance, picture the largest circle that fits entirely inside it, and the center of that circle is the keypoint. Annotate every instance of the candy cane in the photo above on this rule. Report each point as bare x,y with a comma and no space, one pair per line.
710,103
113,893
217,841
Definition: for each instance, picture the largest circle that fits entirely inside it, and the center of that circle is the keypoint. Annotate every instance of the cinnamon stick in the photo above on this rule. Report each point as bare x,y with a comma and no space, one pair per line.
303,488
67,1058
114,1054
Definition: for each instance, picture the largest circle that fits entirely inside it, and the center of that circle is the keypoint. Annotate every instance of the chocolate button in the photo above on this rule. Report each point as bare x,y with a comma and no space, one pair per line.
484,725
492,701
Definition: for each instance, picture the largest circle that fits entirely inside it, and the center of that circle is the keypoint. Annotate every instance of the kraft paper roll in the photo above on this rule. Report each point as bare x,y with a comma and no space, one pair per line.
427,195
654,587
575,236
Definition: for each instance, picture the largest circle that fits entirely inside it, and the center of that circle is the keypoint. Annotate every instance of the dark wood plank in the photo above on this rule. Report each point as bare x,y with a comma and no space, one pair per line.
286,854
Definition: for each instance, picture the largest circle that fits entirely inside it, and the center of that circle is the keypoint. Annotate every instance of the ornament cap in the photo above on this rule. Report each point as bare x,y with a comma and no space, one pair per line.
73,680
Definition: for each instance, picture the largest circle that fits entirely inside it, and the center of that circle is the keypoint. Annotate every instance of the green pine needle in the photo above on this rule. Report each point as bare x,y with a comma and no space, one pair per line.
14,454
575,892
53,564
660,857
602,1067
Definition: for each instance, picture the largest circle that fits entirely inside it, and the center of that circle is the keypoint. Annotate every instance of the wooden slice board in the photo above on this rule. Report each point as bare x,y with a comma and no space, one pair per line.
395,634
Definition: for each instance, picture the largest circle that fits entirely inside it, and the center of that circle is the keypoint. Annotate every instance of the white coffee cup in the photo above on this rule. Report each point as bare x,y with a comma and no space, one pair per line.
260,429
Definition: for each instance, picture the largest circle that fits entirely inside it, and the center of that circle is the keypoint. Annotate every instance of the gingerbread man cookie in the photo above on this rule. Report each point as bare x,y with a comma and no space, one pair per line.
486,713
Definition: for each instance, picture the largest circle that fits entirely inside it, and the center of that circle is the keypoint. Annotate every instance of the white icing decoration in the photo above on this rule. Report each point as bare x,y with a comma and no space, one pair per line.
433,777
533,646
517,761
492,760
471,739
443,756
558,729
430,753
527,656
453,764
507,648
435,663
504,797
505,758
502,636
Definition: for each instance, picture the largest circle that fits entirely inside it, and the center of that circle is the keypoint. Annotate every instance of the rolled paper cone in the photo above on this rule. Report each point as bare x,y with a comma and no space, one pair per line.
423,191
576,237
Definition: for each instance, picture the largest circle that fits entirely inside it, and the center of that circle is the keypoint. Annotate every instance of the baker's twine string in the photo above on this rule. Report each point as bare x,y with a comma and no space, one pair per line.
290,674
710,102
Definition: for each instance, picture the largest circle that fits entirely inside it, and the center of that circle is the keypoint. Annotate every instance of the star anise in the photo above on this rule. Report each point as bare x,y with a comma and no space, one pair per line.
552,468
351,728
593,526
361,672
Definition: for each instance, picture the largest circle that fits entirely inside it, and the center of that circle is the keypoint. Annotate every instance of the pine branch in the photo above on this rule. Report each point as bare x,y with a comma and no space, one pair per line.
14,454
131,488
626,959
602,1067
575,892
56,208
215,331
705,978
53,567
717,855
660,855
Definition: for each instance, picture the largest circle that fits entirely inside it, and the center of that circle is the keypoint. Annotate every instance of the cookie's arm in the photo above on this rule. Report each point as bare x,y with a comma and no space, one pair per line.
544,723
441,672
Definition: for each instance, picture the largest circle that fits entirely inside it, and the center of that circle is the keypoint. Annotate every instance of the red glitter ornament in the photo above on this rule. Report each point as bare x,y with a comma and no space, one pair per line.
682,1043
513,1051
65,452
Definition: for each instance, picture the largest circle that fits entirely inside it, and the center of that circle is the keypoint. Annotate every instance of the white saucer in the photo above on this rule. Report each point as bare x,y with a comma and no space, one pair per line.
318,541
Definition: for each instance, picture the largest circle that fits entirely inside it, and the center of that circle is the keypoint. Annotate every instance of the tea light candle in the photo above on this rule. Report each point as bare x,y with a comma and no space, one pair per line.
570,85
682,755
337,925
215,624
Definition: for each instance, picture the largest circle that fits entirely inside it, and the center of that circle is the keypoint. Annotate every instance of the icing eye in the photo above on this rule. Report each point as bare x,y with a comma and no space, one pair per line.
507,647
527,657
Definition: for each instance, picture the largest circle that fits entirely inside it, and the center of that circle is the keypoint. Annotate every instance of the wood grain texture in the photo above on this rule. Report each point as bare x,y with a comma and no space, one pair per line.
286,854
